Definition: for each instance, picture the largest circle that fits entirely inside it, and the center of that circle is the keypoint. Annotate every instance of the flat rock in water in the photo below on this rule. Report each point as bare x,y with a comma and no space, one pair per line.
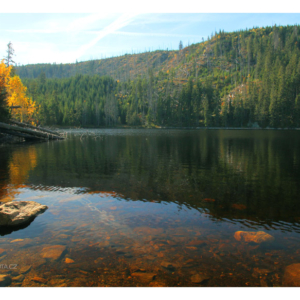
198,278
69,260
5,280
168,265
291,277
19,212
19,278
25,269
39,279
53,252
145,277
253,236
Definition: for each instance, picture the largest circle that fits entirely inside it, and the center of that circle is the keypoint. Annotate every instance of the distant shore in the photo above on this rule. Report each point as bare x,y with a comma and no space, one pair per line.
169,127
8,139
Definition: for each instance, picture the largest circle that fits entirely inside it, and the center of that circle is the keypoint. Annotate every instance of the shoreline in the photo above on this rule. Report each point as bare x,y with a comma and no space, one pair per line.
8,139
167,127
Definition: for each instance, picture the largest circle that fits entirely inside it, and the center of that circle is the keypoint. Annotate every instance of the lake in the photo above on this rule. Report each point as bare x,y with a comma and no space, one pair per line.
154,207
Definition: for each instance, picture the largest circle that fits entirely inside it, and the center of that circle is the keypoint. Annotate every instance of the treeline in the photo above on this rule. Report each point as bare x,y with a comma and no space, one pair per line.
245,78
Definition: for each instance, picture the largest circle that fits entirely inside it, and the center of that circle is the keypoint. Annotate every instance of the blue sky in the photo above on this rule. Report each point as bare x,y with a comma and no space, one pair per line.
67,37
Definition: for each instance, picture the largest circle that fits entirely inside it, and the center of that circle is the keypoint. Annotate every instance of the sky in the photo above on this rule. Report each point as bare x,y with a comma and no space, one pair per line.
64,36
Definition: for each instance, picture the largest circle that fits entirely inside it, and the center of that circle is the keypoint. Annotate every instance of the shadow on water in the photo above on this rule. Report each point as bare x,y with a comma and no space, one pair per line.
5,230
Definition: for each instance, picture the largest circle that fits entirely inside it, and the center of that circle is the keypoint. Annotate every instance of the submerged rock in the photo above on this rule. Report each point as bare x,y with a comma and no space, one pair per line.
5,280
253,236
39,279
144,277
19,278
198,278
69,260
291,277
169,265
19,212
53,252
25,269
260,272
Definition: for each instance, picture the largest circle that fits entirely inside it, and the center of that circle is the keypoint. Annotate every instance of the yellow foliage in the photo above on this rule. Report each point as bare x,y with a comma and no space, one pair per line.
16,95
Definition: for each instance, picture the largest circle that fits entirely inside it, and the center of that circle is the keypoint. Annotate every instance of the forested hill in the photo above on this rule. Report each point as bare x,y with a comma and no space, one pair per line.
244,78
120,68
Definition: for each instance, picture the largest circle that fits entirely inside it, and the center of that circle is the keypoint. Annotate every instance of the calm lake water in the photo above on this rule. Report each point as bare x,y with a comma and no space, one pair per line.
154,208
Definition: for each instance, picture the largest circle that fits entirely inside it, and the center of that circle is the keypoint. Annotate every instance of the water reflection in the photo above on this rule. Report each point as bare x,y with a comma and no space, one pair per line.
15,167
156,208
247,173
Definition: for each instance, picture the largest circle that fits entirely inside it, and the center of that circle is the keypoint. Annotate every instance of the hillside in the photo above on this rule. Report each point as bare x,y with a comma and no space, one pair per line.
245,78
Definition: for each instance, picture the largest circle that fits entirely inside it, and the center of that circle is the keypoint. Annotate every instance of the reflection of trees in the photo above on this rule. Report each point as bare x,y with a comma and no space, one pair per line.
257,169
16,166
22,161
4,171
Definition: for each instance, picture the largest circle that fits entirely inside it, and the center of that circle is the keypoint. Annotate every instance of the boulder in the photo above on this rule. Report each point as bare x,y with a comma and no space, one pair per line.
19,212
291,277
253,236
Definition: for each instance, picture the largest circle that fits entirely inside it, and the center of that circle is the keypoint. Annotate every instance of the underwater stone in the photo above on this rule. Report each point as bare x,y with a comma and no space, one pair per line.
25,269
19,278
53,252
168,265
253,236
144,277
5,280
291,277
198,278
39,279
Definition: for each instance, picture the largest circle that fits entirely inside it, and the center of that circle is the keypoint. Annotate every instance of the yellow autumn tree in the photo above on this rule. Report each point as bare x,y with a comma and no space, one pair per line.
16,96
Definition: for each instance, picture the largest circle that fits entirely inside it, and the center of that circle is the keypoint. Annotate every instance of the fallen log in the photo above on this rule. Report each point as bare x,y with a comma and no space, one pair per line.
31,132
33,127
19,134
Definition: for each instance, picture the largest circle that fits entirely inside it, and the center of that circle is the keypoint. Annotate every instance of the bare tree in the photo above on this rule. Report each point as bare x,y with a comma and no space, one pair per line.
10,52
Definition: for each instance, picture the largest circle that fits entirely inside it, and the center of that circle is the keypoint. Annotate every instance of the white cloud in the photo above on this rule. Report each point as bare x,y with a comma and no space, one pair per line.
83,23
61,24
122,21
156,34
